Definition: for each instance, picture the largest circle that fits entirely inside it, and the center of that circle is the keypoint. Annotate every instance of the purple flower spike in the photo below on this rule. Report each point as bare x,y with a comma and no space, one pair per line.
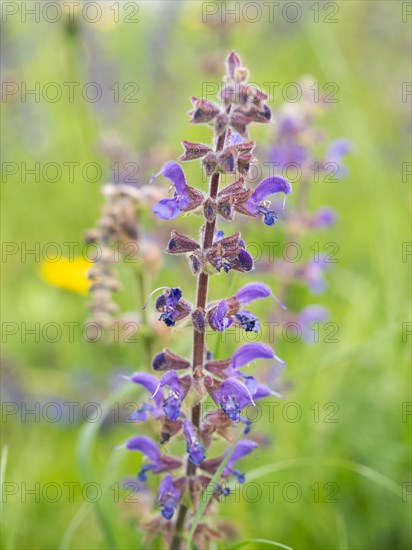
185,198
269,186
194,447
178,389
231,395
159,463
170,493
250,352
218,320
243,448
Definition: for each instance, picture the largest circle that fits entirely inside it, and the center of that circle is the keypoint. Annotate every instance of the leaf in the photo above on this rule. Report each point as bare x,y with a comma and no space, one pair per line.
208,495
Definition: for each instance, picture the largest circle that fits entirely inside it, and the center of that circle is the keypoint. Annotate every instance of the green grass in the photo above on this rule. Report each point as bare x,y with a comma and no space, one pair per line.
361,463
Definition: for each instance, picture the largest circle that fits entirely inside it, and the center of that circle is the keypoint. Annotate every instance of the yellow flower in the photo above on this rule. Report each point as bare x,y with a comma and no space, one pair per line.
68,273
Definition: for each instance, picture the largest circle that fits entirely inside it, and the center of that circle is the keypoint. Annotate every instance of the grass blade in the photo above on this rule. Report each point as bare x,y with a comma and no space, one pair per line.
87,438
260,541
360,469
3,466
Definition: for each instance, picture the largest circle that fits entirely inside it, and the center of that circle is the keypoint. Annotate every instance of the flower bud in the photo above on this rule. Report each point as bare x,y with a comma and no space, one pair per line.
210,164
209,209
166,360
180,244
198,319
196,263
204,111
239,122
194,150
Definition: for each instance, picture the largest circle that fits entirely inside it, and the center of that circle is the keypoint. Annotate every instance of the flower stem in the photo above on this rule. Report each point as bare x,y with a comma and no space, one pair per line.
199,340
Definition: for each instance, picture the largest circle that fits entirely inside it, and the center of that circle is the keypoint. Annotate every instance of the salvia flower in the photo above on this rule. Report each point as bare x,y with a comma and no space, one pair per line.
172,307
170,493
158,463
218,319
195,449
248,293
185,198
251,352
149,382
178,388
177,400
230,310
257,203
231,395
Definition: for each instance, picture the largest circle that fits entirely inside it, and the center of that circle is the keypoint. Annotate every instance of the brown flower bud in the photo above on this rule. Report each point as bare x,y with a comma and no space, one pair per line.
245,147
209,209
263,115
226,210
167,360
196,262
204,111
210,164
194,150
168,429
218,367
232,63
198,319
180,244
243,163
227,161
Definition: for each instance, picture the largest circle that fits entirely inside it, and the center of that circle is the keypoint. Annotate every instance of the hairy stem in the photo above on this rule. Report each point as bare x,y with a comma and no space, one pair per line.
199,340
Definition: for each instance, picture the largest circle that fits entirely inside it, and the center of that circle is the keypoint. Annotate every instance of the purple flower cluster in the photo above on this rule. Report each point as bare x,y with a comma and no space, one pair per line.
236,197
297,140
296,147
175,399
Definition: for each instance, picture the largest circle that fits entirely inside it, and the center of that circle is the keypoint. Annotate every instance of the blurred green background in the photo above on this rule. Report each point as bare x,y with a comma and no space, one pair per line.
167,50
